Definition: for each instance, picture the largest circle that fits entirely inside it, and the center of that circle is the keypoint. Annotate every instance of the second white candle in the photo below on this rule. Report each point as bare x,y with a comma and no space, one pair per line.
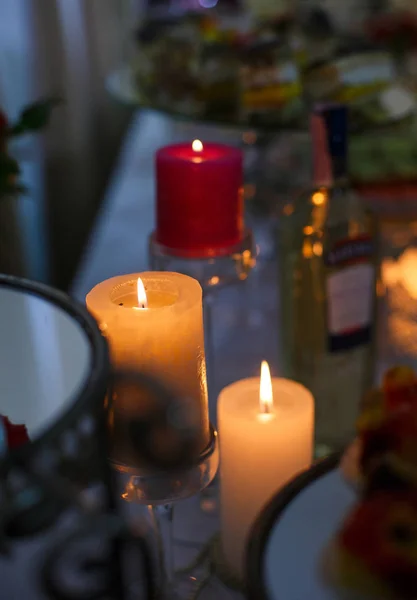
262,447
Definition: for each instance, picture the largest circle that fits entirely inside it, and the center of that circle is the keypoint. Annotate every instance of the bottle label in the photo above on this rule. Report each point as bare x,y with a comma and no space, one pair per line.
350,293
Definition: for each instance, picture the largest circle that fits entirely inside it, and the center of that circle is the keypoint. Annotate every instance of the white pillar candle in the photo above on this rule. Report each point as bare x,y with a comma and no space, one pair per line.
154,324
266,437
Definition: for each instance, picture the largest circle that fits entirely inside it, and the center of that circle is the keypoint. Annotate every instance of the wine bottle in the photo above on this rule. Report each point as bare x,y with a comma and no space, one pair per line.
327,282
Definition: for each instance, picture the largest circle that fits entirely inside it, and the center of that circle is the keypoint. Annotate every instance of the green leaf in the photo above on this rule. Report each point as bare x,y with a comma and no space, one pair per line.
35,117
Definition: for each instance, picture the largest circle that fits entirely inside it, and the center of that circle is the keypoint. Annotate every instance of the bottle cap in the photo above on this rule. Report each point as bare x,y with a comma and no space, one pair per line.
330,142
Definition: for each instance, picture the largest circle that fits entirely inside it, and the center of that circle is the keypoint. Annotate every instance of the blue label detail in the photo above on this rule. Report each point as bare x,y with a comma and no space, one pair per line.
350,252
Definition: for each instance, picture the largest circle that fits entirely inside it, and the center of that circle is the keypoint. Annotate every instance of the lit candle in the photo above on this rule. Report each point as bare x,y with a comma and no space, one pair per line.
266,437
154,323
199,206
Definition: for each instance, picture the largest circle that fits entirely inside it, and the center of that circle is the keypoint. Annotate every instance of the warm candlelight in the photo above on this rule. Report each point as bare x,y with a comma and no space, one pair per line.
154,324
266,396
142,297
197,146
266,437
199,203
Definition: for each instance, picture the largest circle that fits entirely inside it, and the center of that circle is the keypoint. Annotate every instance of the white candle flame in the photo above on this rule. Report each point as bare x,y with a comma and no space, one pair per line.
142,297
266,398
197,146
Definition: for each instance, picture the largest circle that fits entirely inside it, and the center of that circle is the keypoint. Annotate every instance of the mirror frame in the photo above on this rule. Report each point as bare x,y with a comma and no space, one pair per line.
93,392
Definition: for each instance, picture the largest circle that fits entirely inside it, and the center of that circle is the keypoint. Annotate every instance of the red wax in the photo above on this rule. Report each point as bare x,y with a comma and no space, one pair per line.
16,435
199,208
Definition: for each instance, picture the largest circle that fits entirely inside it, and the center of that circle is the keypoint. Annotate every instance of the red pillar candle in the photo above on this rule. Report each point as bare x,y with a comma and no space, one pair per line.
199,208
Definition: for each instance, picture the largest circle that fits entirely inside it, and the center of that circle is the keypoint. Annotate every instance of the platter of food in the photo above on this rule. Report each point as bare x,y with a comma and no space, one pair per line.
262,73
347,529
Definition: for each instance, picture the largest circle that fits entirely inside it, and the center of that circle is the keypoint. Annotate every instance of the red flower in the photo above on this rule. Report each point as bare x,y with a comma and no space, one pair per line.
16,435
3,121
4,125
394,26
381,532
394,439
400,388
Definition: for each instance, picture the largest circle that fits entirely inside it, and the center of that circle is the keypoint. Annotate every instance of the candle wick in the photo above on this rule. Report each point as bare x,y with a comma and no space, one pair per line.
266,409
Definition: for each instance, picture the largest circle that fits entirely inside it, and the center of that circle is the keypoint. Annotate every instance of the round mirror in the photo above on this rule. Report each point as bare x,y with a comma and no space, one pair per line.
49,353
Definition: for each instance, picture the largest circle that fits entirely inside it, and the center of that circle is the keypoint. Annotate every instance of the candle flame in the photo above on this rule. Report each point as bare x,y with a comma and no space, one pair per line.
197,146
266,399
142,298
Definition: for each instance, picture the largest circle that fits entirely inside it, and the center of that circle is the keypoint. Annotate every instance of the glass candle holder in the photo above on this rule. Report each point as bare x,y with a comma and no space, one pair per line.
213,273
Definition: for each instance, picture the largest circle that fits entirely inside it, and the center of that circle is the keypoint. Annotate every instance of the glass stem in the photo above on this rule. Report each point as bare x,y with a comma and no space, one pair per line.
160,551
207,496
161,519
170,564
208,308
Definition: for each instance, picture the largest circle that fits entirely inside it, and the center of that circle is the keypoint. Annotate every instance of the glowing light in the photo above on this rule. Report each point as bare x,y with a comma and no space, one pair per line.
318,248
307,248
208,3
142,297
197,146
319,198
266,399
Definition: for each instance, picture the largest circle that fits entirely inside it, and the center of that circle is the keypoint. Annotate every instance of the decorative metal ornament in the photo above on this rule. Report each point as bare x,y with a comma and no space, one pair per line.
54,370
77,567
54,376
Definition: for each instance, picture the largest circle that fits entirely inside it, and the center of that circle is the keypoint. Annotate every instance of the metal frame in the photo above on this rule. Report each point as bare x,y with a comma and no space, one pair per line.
255,585
91,395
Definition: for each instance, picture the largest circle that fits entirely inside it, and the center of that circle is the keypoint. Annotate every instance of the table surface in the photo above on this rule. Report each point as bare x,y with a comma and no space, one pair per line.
119,245
246,328
246,324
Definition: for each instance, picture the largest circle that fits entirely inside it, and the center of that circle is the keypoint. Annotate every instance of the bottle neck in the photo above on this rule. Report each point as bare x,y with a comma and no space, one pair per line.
327,168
